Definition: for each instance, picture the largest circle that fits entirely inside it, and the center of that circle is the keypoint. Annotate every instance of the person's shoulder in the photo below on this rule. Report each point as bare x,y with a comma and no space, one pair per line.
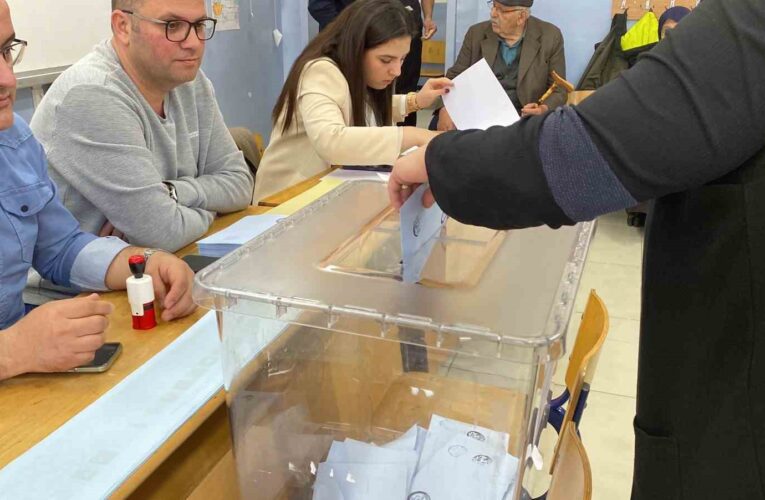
95,68
479,30
323,73
92,81
17,134
22,159
324,66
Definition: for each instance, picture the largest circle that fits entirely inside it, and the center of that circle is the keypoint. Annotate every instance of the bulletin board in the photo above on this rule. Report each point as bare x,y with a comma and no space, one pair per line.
59,32
636,8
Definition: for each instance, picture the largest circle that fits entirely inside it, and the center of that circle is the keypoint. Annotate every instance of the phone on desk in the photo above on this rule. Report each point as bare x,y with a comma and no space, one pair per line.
198,262
103,360
369,168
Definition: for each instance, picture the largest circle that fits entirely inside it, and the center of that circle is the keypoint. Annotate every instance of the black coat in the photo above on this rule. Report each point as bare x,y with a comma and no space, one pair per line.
686,126
325,11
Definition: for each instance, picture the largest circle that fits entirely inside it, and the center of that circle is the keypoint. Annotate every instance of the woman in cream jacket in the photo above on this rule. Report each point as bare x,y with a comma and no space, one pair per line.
337,106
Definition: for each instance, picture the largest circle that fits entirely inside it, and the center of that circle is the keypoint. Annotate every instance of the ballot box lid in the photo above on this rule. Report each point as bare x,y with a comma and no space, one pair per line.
340,258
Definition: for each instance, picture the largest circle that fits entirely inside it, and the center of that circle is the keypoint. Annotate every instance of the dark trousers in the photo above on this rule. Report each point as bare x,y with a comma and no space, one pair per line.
410,75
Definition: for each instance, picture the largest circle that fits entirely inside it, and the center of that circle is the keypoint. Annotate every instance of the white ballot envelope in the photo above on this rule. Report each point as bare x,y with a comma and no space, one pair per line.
352,481
419,226
407,441
478,101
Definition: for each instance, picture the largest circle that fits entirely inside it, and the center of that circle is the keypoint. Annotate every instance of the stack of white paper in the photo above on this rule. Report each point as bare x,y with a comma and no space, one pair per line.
450,461
236,235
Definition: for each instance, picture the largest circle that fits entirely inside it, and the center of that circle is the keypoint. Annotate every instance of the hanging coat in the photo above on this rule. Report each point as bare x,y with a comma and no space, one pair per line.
607,62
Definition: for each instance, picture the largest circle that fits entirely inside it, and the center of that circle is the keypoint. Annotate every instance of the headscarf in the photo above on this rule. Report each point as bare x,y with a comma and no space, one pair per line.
675,14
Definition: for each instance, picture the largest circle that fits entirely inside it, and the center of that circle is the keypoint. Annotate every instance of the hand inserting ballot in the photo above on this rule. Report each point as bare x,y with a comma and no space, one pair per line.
408,173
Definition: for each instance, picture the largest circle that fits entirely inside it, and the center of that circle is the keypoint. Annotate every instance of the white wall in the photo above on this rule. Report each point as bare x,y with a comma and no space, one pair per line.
59,32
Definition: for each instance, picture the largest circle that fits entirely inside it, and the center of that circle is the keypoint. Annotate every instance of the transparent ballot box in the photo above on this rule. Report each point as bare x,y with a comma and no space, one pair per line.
345,382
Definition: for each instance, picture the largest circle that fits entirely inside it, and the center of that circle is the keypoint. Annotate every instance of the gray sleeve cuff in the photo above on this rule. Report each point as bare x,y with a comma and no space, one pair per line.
580,179
189,195
91,264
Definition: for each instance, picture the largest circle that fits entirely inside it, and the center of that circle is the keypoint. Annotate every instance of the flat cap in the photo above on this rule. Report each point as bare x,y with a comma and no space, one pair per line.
516,3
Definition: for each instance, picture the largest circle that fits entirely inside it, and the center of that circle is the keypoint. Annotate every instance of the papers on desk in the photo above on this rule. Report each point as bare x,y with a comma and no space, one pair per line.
236,235
478,101
343,175
449,461
419,228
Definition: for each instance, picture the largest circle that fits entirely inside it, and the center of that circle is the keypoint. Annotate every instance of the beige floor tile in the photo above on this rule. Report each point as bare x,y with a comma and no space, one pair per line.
618,286
609,440
616,371
616,218
617,244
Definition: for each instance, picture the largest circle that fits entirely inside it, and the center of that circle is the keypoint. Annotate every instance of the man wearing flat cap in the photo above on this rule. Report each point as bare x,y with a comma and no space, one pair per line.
521,50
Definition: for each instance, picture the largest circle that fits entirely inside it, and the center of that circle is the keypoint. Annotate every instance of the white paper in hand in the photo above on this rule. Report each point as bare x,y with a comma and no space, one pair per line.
478,101
419,227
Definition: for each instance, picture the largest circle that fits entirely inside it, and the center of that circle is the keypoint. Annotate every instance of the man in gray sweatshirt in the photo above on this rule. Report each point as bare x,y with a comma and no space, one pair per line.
135,139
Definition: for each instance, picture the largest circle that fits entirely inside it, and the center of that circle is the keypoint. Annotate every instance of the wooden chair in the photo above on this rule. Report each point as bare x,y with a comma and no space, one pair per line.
433,58
572,479
581,369
582,364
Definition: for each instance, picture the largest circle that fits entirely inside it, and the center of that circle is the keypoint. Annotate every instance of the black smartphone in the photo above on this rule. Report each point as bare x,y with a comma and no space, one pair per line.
104,359
369,168
199,262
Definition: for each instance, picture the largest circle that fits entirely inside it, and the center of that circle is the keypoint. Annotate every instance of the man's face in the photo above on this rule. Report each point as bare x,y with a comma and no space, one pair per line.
161,62
7,78
506,21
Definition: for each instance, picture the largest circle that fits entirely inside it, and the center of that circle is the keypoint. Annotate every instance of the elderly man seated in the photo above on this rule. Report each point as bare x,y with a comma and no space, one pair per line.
521,50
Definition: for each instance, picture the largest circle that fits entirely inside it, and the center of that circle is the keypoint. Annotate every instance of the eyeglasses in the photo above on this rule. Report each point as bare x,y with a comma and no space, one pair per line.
178,30
14,52
493,5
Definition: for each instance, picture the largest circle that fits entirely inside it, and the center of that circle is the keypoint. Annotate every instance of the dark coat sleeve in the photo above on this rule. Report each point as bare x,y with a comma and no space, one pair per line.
688,113
493,178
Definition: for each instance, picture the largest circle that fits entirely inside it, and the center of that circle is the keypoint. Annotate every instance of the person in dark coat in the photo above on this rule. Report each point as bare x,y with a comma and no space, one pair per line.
325,11
699,430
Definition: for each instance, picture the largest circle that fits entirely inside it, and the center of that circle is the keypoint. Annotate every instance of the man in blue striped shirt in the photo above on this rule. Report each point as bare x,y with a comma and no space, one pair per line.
37,231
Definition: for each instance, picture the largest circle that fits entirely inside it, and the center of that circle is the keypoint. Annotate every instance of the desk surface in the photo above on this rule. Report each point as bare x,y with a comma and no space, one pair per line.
33,406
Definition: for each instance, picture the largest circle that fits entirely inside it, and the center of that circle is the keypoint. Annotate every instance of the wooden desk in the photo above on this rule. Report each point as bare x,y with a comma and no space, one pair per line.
282,196
33,406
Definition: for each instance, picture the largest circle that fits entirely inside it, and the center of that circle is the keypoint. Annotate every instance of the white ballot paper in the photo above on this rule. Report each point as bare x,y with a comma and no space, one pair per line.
464,461
419,227
449,461
478,101
237,234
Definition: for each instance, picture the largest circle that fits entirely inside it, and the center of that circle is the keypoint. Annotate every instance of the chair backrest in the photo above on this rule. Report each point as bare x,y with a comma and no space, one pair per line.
572,478
433,52
584,357
589,340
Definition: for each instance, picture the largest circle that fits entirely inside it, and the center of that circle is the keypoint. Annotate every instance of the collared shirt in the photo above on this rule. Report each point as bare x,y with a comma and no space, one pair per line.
510,52
37,231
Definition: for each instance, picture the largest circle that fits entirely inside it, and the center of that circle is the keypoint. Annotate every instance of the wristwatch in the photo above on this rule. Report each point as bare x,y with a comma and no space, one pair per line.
171,191
149,252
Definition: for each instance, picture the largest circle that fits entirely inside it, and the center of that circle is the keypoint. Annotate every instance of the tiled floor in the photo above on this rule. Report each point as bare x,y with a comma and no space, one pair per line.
613,270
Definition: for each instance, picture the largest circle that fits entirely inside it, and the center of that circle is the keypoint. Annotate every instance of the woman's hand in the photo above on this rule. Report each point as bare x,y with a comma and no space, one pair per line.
432,90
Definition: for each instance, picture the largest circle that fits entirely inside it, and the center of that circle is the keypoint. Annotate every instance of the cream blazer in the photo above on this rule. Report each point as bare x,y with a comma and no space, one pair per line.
321,136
